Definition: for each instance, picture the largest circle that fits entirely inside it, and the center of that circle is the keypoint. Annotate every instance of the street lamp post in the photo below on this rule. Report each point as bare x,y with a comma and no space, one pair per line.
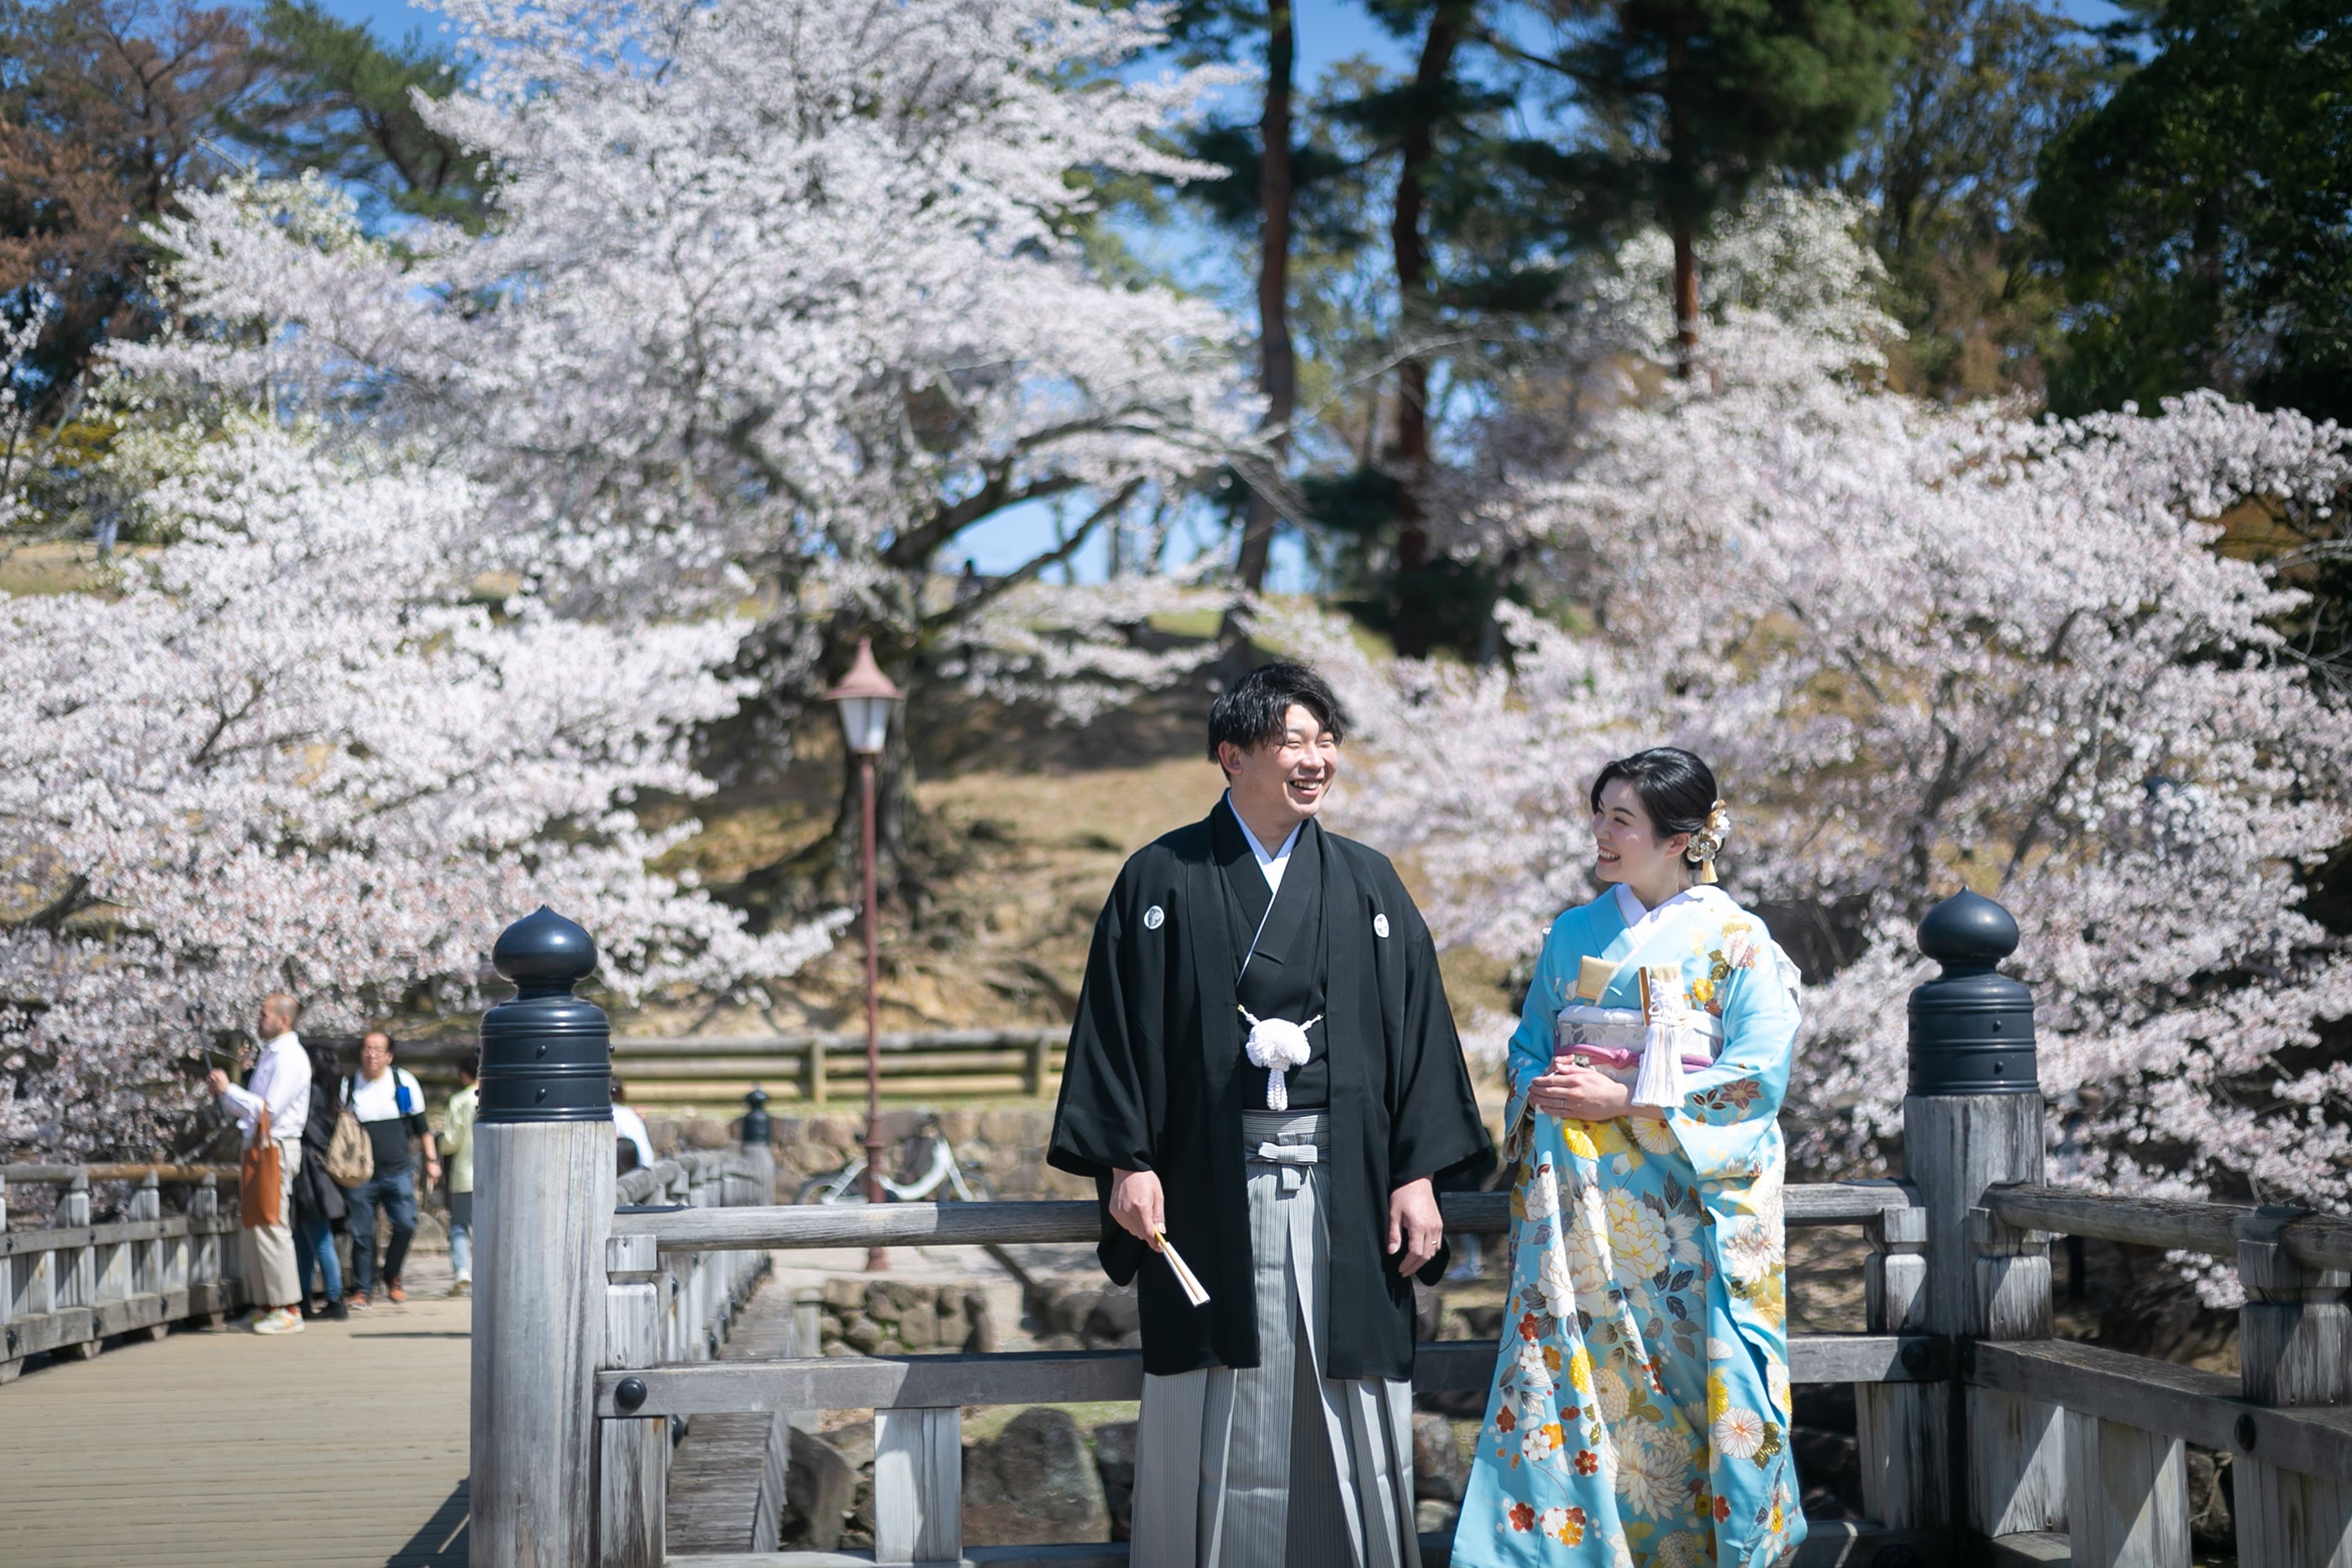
866,698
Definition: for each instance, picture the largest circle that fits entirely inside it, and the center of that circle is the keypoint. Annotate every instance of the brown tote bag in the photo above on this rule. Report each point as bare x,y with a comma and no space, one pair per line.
261,1181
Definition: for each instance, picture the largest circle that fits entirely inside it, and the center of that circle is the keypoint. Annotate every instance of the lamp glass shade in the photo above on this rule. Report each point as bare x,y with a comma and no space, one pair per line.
866,723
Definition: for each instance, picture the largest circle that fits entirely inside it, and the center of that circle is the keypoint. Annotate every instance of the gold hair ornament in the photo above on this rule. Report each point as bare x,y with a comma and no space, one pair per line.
1707,842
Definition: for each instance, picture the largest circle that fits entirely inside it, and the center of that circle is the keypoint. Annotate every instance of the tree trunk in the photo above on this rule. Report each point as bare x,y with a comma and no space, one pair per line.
1412,630
1682,200
1685,299
1277,367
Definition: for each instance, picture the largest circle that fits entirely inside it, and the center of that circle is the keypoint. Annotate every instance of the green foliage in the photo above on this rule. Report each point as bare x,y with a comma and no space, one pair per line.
342,103
1982,87
1689,102
1450,602
107,111
2202,216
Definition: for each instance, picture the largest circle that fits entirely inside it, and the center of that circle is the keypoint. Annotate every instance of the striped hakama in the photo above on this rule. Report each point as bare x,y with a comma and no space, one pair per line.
1272,1466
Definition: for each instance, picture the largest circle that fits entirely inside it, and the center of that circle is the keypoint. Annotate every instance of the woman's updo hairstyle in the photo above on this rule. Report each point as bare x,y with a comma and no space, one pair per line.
1676,788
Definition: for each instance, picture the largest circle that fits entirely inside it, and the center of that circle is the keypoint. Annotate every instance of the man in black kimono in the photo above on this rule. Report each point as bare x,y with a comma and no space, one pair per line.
1264,1070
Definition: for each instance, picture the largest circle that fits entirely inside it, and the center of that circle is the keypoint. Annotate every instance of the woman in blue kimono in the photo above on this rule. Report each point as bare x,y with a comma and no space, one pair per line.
1639,1416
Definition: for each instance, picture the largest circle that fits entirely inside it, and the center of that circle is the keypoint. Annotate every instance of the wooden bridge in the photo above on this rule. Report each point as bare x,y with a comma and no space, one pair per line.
603,1307
345,1445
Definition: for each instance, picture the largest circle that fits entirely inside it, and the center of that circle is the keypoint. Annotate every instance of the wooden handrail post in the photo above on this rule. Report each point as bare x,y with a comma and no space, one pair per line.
1973,1117
12,1363
919,1485
632,1457
75,1272
2295,1346
1903,1429
147,1270
543,1200
204,1255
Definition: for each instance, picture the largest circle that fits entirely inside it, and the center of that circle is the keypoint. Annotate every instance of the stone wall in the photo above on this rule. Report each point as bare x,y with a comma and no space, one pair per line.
1044,1478
887,1317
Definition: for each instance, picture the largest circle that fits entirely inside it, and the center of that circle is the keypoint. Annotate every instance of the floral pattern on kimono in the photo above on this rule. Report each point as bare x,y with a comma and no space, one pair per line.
1639,1416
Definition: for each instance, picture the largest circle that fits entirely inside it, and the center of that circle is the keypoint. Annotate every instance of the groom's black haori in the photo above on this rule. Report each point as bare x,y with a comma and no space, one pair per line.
1157,1079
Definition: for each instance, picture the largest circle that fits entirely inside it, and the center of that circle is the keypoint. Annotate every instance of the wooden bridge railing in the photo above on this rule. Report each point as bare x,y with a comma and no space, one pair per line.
2127,1418
66,1287
1982,1437
919,1400
676,1308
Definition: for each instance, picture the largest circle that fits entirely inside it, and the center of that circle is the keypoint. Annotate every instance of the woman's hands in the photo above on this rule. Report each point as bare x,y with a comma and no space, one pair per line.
1578,1093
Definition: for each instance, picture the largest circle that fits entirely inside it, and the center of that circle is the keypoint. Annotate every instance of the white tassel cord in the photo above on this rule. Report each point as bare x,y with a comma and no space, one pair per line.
1660,1082
1279,1046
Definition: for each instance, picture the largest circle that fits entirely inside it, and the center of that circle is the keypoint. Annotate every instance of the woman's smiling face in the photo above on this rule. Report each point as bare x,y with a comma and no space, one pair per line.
1626,846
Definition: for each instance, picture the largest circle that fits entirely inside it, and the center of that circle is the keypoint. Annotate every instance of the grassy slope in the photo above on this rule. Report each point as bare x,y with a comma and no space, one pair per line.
1041,818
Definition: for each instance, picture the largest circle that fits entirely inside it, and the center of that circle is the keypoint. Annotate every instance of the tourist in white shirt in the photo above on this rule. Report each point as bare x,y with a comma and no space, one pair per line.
629,1127
390,1106
280,1085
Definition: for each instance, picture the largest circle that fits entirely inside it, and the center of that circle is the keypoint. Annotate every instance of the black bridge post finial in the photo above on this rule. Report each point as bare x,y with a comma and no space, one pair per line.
1972,1026
546,1055
759,1127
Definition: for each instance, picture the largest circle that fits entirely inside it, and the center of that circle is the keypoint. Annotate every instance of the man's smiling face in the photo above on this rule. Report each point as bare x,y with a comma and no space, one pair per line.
1286,780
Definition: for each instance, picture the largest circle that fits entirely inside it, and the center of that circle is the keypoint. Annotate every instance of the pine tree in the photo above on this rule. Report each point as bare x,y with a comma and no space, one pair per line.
339,102
2199,216
1690,102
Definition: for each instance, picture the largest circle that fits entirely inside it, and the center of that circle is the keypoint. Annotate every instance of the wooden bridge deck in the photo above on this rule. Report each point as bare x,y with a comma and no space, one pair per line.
341,1445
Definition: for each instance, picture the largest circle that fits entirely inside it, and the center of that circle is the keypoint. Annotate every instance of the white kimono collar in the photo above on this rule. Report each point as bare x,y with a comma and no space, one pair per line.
1642,923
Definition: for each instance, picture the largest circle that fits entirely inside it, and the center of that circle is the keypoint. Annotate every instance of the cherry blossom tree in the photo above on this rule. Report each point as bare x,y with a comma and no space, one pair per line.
782,298
778,302
289,748
1929,648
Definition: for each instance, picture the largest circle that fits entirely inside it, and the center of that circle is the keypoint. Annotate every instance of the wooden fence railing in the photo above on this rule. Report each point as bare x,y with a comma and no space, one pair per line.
918,1400
676,1308
66,1287
1982,1438
713,1071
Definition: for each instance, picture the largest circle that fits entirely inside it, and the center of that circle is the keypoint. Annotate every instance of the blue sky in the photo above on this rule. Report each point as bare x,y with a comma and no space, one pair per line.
1328,31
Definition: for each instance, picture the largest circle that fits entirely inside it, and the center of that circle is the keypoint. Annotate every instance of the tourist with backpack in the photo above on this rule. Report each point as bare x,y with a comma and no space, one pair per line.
390,1106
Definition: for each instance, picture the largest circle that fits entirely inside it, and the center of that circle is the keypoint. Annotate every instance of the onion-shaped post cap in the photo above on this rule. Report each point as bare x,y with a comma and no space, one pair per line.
759,1127
1967,931
546,1054
544,951
1971,1027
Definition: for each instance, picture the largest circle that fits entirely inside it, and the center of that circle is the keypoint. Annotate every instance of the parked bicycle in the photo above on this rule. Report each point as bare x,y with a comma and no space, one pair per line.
928,1170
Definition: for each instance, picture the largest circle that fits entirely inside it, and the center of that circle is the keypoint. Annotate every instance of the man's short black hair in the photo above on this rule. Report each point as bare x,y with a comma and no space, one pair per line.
1250,712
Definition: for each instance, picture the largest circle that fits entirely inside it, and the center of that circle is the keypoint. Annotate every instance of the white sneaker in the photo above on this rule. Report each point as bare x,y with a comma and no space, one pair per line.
285,1320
